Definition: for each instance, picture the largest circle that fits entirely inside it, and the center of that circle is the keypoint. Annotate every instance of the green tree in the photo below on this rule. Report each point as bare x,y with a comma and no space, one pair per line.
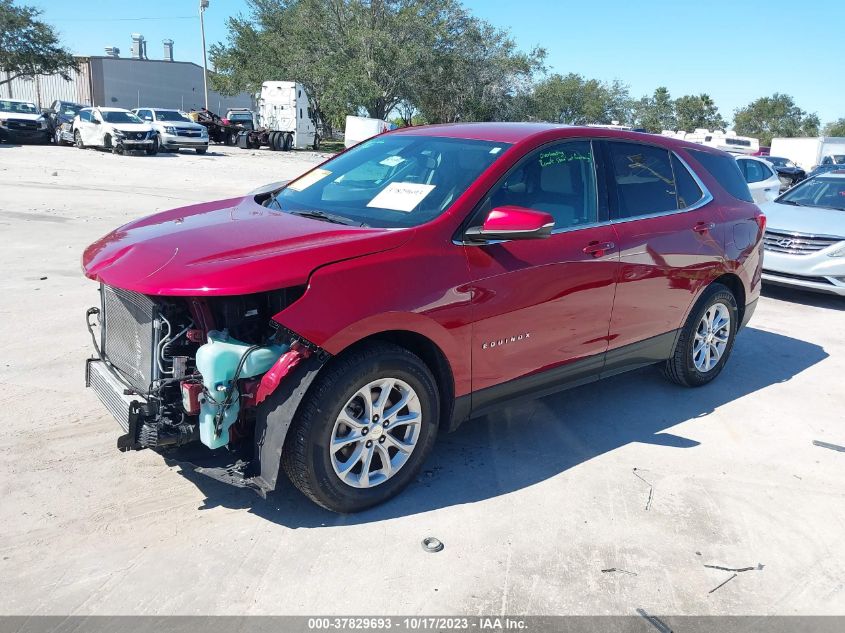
770,117
835,128
28,46
656,113
576,100
377,56
698,111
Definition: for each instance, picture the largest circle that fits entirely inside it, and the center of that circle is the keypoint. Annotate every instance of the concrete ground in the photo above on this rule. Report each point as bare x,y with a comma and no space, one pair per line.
534,504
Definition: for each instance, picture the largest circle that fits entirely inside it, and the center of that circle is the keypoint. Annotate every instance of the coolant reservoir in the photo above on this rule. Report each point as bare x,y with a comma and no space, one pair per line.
217,361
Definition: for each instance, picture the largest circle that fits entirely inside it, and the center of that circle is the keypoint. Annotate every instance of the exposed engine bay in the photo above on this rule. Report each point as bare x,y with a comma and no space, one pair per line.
178,370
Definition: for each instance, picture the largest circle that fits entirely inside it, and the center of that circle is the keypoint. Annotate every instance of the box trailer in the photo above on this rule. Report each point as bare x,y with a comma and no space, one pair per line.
284,119
809,152
360,128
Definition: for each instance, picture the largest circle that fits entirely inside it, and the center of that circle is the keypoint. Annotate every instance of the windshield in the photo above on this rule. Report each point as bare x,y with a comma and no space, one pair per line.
391,181
17,107
779,162
171,115
242,116
119,117
69,109
824,192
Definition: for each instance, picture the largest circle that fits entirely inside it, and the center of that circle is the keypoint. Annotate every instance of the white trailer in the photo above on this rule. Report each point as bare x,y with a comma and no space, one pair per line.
728,141
360,128
809,152
284,119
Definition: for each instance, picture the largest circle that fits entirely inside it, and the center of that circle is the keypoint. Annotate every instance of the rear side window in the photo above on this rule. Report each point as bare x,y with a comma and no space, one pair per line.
725,170
686,188
643,179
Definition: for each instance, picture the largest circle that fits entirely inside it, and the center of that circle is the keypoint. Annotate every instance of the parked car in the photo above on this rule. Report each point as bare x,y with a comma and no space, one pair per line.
174,129
789,173
113,128
429,275
805,236
823,169
22,121
60,117
762,179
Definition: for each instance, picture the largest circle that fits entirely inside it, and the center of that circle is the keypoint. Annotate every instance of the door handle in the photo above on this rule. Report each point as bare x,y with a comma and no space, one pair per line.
703,227
597,249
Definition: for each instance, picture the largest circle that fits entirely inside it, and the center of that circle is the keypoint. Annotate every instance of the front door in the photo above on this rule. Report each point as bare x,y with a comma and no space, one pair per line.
543,304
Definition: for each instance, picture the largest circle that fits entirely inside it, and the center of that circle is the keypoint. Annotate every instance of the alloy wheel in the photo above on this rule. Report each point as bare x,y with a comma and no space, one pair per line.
711,337
375,433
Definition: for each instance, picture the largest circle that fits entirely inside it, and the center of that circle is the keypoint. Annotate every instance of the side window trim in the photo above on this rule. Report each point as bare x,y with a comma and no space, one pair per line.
602,206
706,199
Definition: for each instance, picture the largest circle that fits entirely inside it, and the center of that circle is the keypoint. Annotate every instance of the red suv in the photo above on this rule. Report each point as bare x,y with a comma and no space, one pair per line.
428,275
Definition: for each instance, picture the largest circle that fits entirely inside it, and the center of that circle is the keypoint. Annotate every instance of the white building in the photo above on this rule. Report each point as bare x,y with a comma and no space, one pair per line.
126,82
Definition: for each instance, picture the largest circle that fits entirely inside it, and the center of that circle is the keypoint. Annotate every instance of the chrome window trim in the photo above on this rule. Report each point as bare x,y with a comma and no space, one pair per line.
705,199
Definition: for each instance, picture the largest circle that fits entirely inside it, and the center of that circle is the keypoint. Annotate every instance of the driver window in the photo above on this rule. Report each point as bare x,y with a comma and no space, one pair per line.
558,179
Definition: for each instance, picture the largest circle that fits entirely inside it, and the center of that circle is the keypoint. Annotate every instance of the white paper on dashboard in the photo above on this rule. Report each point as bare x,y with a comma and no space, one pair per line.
392,161
308,179
401,196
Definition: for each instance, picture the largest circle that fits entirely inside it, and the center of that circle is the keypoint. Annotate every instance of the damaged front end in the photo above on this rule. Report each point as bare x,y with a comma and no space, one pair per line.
202,373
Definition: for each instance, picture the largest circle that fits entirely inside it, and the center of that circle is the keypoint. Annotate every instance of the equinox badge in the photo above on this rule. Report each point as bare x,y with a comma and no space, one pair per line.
505,341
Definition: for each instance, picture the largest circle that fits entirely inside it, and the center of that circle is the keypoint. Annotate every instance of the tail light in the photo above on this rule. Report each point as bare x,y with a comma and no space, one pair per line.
761,222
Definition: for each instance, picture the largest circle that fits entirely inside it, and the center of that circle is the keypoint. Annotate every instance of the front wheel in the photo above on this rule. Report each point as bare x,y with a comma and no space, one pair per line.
77,140
364,429
153,149
706,339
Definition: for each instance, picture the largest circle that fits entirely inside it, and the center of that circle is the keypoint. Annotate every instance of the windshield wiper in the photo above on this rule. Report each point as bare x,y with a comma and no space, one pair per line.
314,214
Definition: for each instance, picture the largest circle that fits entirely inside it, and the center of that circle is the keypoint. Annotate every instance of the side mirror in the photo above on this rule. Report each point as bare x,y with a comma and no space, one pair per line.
512,223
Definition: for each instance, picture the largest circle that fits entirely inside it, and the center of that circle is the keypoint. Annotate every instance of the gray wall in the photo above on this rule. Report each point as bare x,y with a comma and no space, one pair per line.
132,83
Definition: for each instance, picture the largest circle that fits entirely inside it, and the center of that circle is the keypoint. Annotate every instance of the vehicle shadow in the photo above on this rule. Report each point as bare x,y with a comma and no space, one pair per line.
804,297
532,441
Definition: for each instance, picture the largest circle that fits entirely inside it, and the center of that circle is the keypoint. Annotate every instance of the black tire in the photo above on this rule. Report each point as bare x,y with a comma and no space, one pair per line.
77,140
305,456
681,368
287,142
152,151
271,141
280,141
57,137
232,138
201,150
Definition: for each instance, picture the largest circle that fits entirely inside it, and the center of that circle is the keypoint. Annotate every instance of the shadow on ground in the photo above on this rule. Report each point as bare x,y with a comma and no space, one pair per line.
527,443
804,297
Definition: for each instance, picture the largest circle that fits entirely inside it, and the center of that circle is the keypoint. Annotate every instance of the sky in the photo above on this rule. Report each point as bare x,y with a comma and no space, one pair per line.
734,50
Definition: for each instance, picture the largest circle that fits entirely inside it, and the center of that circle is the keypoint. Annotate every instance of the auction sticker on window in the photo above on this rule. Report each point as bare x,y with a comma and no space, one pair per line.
308,179
401,196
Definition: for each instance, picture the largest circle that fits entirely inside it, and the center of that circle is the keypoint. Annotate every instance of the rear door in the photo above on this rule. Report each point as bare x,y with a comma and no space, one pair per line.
671,241
543,304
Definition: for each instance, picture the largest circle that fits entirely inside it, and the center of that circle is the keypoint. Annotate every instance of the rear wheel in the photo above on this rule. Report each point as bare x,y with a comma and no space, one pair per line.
706,339
271,140
287,142
201,150
364,429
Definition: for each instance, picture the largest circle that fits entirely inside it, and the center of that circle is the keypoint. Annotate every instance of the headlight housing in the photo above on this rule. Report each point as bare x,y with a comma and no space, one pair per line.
169,129
119,134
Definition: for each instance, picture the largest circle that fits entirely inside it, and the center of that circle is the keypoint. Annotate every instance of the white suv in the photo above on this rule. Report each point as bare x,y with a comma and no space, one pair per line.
174,129
763,180
113,128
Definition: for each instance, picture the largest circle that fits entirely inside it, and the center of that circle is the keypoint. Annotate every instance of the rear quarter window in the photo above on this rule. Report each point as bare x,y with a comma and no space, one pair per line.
725,170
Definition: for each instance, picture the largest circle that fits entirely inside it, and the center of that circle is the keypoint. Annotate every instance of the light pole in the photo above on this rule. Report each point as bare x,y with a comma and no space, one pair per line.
203,7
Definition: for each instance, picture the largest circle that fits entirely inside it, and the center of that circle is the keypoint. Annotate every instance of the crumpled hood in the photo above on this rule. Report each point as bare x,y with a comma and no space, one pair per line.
131,127
228,247
21,116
